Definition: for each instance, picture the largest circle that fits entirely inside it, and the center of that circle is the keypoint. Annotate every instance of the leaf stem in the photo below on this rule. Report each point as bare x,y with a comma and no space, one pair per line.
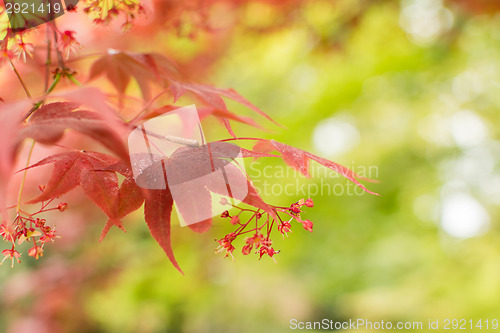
57,78
20,79
18,207
236,139
74,80
49,58
60,57
37,105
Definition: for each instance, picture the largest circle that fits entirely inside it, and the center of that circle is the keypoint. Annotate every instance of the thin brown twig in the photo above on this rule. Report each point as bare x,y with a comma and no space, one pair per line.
48,61
20,79
60,57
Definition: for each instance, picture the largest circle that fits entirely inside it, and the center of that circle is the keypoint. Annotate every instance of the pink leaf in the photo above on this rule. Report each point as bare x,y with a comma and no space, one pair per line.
157,212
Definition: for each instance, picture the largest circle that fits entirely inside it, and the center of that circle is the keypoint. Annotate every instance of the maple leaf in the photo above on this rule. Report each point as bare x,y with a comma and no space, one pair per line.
70,170
119,67
128,199
192,175
220,155
96,174
254,199
204,112
157,212
300,160
48,124
102,188
116,66
212,96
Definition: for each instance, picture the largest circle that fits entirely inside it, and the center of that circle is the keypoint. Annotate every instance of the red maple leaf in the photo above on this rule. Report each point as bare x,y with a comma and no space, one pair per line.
48,124
71,170
157,212
300,160
212,96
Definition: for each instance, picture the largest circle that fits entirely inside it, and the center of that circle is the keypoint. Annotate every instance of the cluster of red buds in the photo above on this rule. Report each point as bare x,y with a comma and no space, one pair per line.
13,44
66,42
28,228
105,11
258,228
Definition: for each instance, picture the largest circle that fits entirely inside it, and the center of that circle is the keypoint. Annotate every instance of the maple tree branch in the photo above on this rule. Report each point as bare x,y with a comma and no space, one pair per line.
60,58
85,56
146,140
146,107
18,207
181,141
171,138
20,79
236,139
40,102
49,60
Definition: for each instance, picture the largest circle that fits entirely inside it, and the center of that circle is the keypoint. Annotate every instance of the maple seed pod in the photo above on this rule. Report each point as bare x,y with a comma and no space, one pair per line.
308,225
235,220
247,249
62,206
36,252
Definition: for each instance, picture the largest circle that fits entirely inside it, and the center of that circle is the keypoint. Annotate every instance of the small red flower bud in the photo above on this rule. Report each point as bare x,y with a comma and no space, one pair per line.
48,236
284,227
7,234
62,207
308,225
42,187
113,11
235,220
224,214
247,249
257,240
295,208
11,254
269,251
36,252
225,244
40,223
309,203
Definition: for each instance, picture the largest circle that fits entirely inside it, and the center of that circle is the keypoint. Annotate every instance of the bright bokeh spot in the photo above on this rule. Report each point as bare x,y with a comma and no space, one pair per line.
334,137
463,217
467,129
425,20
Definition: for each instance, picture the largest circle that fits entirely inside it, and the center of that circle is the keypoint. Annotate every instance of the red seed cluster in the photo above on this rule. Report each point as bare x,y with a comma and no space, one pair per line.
258,228
28,228
104,11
